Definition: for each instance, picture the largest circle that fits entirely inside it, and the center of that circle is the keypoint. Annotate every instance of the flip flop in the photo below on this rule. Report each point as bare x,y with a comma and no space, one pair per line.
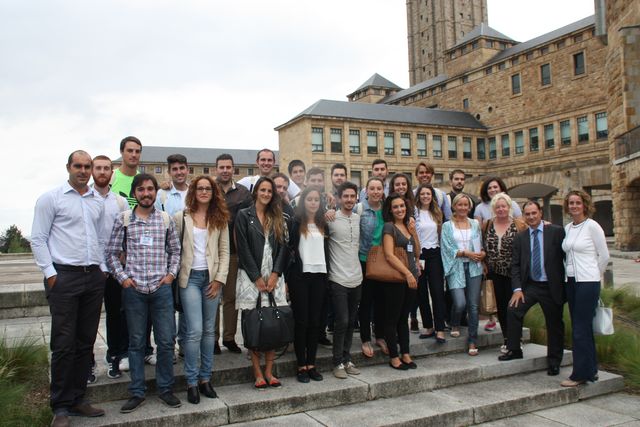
383,346
261,384
473,351
274,382
367,350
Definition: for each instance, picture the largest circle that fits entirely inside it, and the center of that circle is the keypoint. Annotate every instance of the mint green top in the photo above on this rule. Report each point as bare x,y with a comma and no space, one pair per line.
121,185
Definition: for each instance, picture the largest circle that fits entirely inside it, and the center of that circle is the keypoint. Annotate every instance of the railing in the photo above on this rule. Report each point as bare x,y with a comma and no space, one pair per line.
627,145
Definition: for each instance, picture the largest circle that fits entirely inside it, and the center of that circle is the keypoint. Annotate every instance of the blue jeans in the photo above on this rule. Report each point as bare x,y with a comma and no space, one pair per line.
138,307
583,299
469,296
200,319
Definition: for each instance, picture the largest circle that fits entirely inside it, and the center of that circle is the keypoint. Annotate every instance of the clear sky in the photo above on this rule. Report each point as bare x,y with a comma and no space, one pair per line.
196,73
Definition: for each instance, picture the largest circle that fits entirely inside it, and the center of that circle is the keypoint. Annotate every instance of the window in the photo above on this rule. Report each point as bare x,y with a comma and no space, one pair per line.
578,63
503,45
480,144
191,170
388,143
465,79
545,74
422,145
452,55
601,126
529,56
354,141
565,132
405,144
249,171
437,146
336,140
489,43
439,177
464,49
158,169
549,141
577,38
205,171
466,148
515,61
492,148
465,103
236,171
488,70
544,50
515,84
583,129
142,168
533,139
519,142
502,66
474,45
372,142
317,144
506,147
356,178
560,44
452,145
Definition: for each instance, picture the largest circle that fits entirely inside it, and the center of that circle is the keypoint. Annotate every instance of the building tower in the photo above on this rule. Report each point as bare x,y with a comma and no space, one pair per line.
435,26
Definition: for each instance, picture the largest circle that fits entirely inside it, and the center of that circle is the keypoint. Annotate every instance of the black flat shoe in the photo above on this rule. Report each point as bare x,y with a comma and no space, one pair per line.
314,375
207,390
401,367
553,371
193,395
410,365
425,336
303,376
232,346
440,340
510,355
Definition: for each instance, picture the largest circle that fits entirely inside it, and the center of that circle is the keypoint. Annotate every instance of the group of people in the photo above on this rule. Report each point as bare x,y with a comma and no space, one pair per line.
230,246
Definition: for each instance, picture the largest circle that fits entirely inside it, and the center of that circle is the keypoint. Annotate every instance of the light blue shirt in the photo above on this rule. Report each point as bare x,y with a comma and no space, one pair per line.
114,204
68,229
540,227
170,201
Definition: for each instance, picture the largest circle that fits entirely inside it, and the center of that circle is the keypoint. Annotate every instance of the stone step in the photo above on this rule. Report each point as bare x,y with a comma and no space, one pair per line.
23,300
242,403
232,368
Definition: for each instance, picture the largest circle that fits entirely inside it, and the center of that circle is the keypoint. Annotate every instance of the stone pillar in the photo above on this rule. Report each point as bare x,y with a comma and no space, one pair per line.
546,207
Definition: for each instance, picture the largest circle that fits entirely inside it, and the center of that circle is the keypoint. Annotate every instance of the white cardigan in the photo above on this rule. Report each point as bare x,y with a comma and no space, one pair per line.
586,249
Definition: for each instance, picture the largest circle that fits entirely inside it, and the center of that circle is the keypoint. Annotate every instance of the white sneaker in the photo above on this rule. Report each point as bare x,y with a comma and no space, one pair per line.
351,369
151,359
124,364
504,349
340,372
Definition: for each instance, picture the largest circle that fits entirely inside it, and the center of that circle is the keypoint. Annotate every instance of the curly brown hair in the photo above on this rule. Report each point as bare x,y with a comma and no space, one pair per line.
217,212
589,208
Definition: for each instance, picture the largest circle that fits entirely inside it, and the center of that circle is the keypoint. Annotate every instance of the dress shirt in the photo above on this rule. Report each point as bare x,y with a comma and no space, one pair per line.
171,201
113,205
540,227
147,261
68,229
249,181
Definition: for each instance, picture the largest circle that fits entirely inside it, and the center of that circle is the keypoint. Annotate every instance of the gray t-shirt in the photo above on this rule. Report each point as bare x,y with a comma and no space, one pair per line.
408,245
344,238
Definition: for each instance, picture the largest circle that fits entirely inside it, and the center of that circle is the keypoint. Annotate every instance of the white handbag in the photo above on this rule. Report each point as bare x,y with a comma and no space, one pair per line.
603,320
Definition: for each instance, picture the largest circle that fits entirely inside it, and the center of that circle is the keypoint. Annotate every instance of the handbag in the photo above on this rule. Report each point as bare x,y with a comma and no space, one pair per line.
175,287
267,328
603,320
488,304
379,269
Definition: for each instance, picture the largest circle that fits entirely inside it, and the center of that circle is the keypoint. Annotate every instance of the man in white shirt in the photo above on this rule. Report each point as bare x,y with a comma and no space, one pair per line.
172,200
266,160
424,174
378,169
67,240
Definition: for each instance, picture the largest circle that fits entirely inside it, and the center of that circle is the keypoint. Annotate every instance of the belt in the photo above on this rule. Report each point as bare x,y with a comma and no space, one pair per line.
535,282
77,268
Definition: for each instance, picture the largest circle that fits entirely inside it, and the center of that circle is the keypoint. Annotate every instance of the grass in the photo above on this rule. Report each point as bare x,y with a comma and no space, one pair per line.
24,383
620,351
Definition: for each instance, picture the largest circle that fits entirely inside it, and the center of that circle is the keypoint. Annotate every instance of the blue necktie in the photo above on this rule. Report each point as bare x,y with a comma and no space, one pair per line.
536,265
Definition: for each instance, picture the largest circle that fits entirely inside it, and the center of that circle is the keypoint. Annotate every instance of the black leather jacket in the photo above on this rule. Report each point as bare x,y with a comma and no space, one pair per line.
250,245
295,269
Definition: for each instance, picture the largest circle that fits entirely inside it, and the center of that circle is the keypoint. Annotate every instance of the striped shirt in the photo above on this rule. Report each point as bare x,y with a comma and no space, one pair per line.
153,251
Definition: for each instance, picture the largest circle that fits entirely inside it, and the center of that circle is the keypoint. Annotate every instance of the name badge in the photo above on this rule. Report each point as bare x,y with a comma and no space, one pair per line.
409,247
146,240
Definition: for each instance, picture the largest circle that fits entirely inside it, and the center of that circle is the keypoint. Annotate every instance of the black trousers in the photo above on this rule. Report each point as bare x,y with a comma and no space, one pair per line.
538,293
345,304
371,307
398,300
74,303
307,293
503,291
116,322
432,282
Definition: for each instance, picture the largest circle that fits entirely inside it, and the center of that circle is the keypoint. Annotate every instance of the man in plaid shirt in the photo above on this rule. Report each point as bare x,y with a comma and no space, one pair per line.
149,238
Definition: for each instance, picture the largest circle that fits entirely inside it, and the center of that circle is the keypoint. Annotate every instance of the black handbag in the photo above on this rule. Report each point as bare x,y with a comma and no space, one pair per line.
267,328
175,287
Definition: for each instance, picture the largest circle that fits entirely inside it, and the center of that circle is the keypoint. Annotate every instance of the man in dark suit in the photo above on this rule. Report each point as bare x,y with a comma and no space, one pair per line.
537,276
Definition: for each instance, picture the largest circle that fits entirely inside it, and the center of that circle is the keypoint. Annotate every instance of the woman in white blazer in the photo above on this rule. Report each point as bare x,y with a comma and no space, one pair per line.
204,265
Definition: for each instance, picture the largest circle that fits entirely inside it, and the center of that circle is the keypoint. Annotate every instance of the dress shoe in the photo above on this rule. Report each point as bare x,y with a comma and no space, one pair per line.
314,374
553,370
400,367
303,376
60,421
193,395
170,400
207,390
232,346
410,365
216,348
85,410
510,355
132,404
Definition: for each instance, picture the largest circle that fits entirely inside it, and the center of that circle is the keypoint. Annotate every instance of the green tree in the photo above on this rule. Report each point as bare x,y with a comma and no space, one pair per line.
12,241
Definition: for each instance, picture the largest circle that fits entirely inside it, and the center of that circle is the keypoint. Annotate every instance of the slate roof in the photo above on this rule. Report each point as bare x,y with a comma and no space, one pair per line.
483,30
387,113
416,88
153,154
378,81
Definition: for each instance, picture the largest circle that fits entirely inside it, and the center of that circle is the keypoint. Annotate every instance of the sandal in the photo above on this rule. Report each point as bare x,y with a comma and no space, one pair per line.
274,382
367,350
261,384
383,345
473,351
455,333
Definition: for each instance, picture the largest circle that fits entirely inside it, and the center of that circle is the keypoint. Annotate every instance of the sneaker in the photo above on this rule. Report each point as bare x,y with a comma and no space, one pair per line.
124,364
490,326
170,400
325,342
92,378
132,404
113,370
151,359
340,372
351,369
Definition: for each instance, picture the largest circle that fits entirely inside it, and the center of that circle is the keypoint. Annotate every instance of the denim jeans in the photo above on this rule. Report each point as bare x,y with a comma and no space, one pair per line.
469,296
138,308
200,319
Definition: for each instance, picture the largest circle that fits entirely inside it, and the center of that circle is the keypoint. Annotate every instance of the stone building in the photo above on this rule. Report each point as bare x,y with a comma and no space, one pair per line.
535,113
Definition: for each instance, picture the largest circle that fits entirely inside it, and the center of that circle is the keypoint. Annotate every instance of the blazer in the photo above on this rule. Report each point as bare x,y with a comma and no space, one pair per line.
217,252
250,245
553,235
